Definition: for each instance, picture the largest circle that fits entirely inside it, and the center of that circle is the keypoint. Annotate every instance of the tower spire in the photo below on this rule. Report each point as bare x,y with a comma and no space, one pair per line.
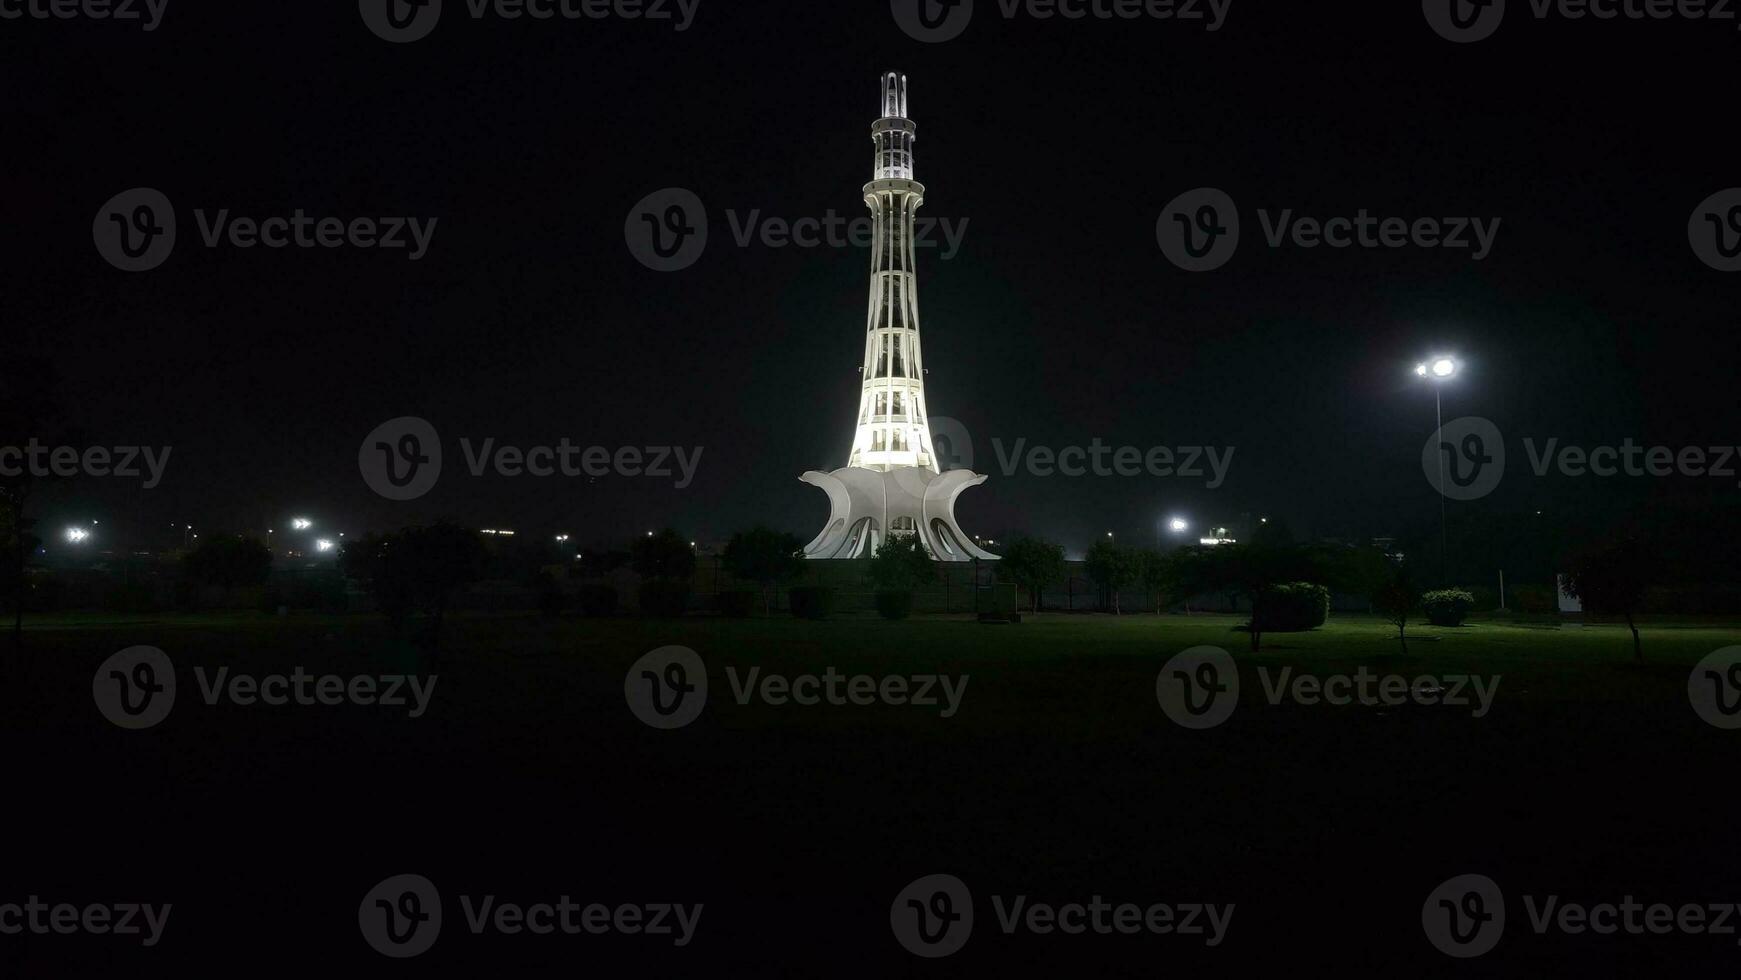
891,485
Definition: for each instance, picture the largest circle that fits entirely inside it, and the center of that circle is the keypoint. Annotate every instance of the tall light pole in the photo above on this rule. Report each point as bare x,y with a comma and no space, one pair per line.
1440,369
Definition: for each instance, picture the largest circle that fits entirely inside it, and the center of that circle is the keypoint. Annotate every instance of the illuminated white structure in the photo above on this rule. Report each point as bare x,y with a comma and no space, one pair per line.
891,483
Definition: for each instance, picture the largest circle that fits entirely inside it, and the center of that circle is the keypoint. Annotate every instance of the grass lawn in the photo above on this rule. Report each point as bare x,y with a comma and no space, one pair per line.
1058,777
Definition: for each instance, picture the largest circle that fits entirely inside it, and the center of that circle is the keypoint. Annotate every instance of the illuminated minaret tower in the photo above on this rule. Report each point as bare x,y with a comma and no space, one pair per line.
892,430
892,484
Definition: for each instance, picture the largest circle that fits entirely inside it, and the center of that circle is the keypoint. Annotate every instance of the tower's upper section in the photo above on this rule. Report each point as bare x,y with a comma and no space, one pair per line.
893,132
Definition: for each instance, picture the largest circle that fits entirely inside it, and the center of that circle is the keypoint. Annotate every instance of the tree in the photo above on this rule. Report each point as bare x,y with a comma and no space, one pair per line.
766,557
901,564
1251,570
1155,572
415,568
229,561
1612,581
30,406
1033,564
1394,601
1111,568
666,555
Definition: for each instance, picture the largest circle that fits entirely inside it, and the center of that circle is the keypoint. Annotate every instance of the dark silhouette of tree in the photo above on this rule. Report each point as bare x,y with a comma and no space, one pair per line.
1155,572
229,561
901,564
418,568
1611,581
1395,600
766,557
1032,564
1111,568
30,408
666,555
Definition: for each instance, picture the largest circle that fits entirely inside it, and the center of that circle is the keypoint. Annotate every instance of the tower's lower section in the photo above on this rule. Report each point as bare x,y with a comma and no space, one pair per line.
865,506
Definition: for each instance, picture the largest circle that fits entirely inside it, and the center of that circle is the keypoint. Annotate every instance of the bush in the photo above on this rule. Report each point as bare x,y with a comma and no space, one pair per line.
811,601
1447,607
1292,608
736,603
895,605
664,598
597,599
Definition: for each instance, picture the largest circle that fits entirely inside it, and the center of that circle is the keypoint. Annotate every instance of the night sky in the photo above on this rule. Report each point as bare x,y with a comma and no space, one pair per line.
1059,321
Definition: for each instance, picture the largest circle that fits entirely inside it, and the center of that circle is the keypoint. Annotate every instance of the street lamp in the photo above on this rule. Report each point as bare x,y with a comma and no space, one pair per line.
77,535
301,523
1439,368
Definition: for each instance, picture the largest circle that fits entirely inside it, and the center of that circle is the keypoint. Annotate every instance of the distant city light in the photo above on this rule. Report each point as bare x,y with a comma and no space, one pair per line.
562,537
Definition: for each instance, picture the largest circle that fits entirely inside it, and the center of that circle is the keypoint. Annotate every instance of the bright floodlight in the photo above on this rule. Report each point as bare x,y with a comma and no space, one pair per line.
1421,369
77,534
323,545
1444,367
301,523
1178,525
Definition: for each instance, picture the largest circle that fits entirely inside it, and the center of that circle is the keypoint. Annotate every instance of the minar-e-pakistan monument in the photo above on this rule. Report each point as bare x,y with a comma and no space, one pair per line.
890,484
